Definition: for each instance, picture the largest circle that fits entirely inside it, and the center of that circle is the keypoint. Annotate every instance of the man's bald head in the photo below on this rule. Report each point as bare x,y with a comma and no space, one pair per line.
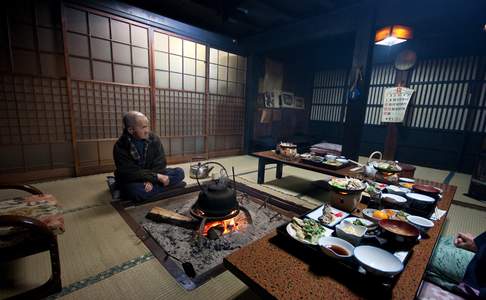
131,118
136,124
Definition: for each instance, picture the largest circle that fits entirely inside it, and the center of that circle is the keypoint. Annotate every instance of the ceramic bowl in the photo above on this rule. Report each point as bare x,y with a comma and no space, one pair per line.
394,199
350,232
420,201
426,190
400,231
378,261
336,247
397,190
422,224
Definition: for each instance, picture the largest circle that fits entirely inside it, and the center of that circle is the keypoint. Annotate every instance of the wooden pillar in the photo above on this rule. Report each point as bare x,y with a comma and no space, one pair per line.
362,56
72,123
254,70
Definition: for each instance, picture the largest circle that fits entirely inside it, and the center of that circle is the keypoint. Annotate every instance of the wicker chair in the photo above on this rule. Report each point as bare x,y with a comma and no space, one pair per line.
29,225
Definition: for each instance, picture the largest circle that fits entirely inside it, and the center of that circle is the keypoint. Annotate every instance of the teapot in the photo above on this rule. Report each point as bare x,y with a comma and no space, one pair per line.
369,169
199,171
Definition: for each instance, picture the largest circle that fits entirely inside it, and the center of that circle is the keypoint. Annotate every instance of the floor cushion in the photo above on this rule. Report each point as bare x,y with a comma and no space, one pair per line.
42,207
448,264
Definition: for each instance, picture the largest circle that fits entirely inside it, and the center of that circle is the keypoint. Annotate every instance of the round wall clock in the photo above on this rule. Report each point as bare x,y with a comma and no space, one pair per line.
405,60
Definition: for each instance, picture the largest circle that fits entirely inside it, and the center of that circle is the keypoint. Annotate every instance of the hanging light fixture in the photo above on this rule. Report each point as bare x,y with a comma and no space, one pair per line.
392,35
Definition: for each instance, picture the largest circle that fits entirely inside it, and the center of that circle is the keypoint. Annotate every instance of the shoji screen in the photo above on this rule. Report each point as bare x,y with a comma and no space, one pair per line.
328,98
109,66
34,108
442,93
180,82
226,103
382,77
479,121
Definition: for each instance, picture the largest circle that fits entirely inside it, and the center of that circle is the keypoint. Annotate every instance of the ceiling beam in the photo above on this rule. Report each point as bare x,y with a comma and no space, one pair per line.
292,14
137,14
341,21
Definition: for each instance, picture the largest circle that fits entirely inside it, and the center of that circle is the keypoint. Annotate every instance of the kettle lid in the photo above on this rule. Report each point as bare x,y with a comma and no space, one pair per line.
214,187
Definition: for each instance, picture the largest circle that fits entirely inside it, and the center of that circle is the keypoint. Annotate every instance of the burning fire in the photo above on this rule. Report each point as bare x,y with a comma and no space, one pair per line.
225,226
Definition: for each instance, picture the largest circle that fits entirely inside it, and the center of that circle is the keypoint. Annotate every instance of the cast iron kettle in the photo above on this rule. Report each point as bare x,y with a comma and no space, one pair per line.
217,199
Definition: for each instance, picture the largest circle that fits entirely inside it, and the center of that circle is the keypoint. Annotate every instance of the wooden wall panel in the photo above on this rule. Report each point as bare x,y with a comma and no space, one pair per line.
88,154
37,156
106,151
62,154
36,120
12,158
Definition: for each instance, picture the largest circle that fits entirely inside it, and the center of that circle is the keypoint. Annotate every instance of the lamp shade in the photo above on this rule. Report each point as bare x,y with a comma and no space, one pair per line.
392,35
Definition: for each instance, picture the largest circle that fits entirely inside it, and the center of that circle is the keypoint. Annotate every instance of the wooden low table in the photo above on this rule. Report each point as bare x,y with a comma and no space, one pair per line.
269,157
272,272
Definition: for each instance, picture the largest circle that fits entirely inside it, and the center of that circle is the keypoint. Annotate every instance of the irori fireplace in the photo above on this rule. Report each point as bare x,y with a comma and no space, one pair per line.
193,251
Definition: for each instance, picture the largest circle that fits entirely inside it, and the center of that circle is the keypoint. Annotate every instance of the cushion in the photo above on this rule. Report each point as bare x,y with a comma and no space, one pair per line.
329,146
448,264
430,291
41,207
324,148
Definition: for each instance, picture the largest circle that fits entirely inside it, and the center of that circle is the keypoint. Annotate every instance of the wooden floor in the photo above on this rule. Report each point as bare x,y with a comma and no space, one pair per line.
101,258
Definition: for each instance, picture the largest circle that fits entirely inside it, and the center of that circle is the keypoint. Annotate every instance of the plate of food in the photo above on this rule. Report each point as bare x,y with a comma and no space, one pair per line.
327,215
376,215
307,231
387,167
407,185
349,185
333,163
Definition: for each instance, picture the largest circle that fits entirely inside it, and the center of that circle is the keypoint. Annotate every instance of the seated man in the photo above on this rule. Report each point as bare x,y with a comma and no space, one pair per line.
473,284
141,171
457,270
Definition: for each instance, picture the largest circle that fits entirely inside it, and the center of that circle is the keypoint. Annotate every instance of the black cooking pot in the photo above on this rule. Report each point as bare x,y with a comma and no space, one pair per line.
216,199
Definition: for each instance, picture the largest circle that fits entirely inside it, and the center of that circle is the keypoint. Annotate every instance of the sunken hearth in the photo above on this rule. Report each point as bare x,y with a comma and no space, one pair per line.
197,247
204,248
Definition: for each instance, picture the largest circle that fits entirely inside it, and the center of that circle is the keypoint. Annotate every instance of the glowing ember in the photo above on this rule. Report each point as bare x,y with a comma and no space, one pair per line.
225,226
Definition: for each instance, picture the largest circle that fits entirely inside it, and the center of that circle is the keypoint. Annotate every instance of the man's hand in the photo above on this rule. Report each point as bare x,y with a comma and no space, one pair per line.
465,241
148,186
164,179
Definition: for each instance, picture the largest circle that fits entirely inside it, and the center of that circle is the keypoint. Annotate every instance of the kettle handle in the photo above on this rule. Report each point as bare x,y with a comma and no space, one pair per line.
197,158
207,163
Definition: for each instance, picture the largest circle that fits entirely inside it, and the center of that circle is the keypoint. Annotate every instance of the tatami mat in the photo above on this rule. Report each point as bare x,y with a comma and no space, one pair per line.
151,281
96,239
462,182
463,219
